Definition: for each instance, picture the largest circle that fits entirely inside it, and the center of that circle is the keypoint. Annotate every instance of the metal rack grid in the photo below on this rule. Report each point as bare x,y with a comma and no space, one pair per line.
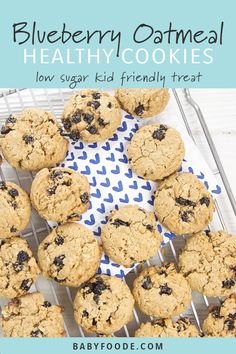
14,101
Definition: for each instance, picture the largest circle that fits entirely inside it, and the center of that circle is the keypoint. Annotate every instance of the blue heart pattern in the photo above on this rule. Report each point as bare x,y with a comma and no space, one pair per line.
114,184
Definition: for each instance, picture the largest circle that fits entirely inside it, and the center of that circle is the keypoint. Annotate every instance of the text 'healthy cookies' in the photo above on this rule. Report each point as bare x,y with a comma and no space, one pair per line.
70,254
31,316
143,102
15,209
183,204
130,235
208,262
32,140
91,115
103,305
60,194
156,151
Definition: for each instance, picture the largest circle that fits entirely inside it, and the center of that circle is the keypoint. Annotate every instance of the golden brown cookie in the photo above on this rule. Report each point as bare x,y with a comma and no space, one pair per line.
60,194
32,140
208,262
103,305
70,254
130,235
15,209
143,102
31,316
91,115
183,204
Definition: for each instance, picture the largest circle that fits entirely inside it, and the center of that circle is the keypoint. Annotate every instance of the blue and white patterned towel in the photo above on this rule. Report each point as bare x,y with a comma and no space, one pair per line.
113,183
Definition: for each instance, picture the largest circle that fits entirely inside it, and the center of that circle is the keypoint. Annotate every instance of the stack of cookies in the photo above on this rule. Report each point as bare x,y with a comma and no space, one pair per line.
70,254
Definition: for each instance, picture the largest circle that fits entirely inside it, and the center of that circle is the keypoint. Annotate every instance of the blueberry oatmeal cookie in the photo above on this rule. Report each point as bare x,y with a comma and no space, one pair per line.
167,328
221,321
60,194
130,235
15,209
161,291
91,115
103,305
18,268
31,316
70,254
32,140
208,262
183,204
156,151
145,102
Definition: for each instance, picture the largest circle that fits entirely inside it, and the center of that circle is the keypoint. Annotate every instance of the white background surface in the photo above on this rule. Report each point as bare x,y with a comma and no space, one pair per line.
219,110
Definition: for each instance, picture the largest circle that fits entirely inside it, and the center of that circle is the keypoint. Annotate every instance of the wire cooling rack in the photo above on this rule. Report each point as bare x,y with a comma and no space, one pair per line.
14,101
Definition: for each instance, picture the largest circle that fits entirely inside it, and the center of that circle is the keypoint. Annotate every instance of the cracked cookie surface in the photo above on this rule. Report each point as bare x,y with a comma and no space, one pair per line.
15,209
183,204
60,194
144,102
18,267
70,254
156,151
32,140
208,262
130,235
103,305
221,321
91,115
161,291
167,328
31,316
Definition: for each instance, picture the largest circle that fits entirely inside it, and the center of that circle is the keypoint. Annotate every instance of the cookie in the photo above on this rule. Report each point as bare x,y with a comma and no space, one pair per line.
156,151
31,316
221,321
91,115
145,102
183,204
167,328
32,140
161,291
103,305
15,209
130,235
18,267
208,262
70,254
60,194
